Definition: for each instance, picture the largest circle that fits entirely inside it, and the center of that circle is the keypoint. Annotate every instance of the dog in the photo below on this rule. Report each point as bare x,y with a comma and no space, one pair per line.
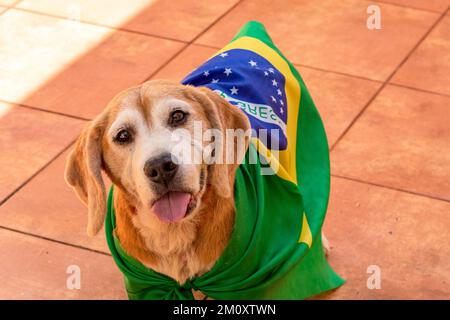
131,142
170,223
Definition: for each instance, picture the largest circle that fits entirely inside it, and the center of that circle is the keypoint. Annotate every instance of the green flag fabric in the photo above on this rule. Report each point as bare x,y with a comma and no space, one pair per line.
275,250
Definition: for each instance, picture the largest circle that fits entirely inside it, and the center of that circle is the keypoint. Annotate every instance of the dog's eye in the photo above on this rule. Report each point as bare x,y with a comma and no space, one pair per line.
177,117
123,136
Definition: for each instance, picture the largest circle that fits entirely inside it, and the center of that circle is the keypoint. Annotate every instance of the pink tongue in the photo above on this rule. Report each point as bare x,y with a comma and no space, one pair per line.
172,207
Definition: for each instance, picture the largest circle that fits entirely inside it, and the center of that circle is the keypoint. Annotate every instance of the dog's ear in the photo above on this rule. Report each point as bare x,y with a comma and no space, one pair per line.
235,132
83,173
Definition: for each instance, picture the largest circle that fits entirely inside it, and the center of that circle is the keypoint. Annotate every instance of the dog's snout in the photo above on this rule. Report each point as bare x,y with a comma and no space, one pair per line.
160,169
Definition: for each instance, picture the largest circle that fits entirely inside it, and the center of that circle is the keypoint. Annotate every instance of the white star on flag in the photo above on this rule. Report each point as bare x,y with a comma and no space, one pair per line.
271,70
227,71
266,73
279,92
274,82
281,110
273,99
223,55
215,81
206,73
281,102
253,63
234,90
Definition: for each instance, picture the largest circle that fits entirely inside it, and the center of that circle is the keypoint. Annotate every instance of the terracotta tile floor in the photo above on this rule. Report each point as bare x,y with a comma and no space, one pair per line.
383,95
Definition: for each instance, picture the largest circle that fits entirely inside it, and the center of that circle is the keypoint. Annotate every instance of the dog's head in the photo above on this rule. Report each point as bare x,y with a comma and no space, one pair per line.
163,144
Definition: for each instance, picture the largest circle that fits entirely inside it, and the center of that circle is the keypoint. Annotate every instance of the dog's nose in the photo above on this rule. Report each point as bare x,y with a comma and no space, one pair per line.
160,169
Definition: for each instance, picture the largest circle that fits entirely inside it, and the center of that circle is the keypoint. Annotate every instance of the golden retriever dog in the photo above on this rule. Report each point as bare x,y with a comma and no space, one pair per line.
175,218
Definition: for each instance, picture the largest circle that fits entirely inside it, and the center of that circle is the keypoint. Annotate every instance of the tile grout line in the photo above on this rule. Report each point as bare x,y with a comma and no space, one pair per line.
206,45
386,82
26,106
391,188
54,240
193,40
337,72
166,63
6,9
99,25
9,7
405,7
23,184
419,90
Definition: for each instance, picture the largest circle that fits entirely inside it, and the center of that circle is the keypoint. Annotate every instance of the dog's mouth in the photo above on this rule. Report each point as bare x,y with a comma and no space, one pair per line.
173,206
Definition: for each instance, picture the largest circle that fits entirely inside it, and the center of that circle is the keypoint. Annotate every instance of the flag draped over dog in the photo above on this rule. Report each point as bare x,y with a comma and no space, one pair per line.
275,250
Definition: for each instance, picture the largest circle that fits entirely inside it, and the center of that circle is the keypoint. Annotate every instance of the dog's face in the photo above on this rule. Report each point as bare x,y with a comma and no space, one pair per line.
150,140
140,145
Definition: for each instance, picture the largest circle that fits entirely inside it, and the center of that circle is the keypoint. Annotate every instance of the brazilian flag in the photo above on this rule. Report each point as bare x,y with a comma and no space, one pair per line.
275,251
